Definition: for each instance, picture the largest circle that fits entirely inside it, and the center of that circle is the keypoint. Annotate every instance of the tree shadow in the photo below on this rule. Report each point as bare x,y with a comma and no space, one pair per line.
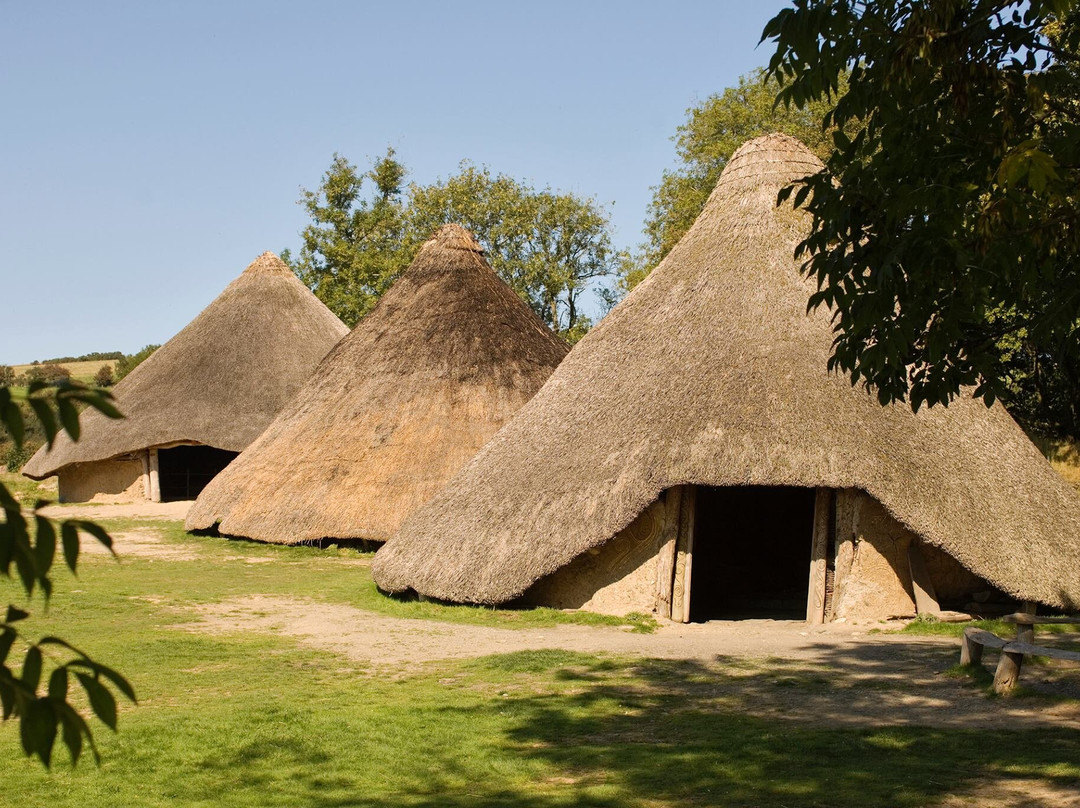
858,726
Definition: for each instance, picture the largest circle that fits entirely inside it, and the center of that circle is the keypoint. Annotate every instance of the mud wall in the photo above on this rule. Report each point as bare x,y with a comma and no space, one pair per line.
618,577
873,577
870,575
119,480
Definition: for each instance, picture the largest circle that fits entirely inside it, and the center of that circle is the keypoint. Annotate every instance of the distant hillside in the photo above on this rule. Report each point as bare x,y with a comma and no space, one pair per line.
90,357
82,370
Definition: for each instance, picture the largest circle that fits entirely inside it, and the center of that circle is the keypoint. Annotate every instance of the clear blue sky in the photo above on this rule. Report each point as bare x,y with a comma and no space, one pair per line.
150,150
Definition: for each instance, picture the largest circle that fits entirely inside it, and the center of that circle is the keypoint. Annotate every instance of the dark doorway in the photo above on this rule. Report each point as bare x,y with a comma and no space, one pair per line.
184,471
751,553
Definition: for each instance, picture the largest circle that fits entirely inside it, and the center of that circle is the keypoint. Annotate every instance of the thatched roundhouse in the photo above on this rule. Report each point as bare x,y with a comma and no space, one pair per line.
444,359
203,396
693,457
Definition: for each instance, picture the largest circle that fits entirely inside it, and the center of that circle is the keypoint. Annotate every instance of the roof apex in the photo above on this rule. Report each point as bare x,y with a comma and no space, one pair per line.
267,264
454,237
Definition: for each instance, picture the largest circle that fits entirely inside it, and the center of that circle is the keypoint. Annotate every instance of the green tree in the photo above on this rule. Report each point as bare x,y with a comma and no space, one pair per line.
549,247
104,376
127,363
52,372
704,143
7,376
947,220
353,249
38,696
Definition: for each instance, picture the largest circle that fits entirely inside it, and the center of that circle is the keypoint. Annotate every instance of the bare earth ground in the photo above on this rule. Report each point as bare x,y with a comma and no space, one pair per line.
839,674
825,674
144,509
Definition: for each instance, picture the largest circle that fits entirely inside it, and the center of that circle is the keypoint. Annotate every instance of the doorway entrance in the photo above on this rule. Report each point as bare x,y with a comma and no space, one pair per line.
184,471
752,548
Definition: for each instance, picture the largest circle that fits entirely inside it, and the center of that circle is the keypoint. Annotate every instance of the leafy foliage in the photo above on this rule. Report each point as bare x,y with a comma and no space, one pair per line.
96,356
352,251
704,143
127,363
104,376
15,457
49,373
7,376
947,219
41,704
549,247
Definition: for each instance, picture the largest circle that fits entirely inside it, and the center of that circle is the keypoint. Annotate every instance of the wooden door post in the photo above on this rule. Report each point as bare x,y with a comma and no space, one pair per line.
684,556
819,548
155,481
665,558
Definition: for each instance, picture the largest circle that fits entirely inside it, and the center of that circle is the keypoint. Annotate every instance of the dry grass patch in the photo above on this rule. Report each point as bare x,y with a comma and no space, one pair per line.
81,371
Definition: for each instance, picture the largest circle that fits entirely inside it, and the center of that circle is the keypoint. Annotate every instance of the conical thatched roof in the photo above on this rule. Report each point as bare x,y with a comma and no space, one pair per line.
221,380
711,373
447,356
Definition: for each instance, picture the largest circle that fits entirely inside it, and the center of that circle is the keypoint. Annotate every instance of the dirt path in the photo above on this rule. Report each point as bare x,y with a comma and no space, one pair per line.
834,674
143,509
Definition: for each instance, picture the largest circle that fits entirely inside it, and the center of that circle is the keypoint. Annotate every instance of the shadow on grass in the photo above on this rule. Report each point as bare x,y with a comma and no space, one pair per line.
573,729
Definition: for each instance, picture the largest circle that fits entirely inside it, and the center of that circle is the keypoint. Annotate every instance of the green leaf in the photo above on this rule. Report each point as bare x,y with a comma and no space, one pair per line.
13,419
74,728
45,416
7,501
58,684
69,417
45,546
102,403
97,531
26,566
101,700
37,729
122,684
31,671
69,535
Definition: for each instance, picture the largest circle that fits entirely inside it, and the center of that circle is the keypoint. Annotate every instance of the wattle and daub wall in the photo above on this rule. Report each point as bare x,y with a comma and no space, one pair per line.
870,577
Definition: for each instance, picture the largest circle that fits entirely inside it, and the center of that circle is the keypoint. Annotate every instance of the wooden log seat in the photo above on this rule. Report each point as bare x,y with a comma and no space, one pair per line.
1013,652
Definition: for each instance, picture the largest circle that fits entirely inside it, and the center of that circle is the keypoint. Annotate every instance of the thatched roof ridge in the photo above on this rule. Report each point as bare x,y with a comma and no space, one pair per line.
711,372
447,356
220,380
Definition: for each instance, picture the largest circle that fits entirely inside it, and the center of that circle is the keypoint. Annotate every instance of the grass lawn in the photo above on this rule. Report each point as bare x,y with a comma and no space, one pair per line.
28,491
261,720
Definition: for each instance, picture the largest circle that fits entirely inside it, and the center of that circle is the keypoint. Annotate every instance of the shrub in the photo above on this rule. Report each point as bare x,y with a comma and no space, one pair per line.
17,456
7,376
51,372
104,376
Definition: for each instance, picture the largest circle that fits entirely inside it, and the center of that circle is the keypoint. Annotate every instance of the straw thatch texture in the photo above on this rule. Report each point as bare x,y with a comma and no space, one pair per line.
711,373
447,356
218,382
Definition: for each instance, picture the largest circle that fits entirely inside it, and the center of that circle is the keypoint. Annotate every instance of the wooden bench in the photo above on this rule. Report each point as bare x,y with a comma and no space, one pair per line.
1013,651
